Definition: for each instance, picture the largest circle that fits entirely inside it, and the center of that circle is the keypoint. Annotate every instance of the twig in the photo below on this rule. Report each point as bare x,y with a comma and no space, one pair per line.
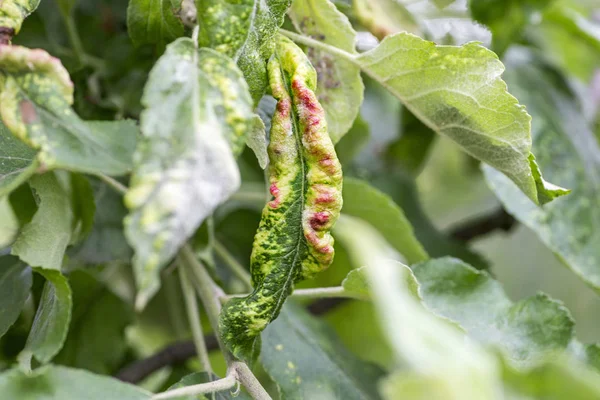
498,220
249,381
216,386
233,264
115,184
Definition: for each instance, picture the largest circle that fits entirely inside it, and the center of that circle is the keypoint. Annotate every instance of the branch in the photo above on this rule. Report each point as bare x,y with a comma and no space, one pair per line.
210,387
498,220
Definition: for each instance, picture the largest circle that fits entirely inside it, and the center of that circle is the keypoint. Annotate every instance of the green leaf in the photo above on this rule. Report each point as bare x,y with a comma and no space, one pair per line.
357,284
195,102
17,162
527,331
61,383
293,241
96,340
35,94
307,361
245,31
257,141
384,17
15,284
459,94
364,201
34,245
51,322
153,21
353,141
339,85
204,377
14,12
568,151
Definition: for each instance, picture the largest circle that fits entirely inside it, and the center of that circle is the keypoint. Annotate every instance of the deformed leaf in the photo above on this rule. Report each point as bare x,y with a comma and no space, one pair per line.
307,361
527,331
339,85
457,92
15,283
365,202
35,94
245,31
197,114
153,22
54,382
293,241
17,161
14,12
569,153
51,322
204,377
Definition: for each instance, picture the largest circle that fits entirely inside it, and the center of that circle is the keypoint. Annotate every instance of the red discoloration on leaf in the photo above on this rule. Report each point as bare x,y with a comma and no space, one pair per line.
317,243
319,219
283,107
275,193
28,113
306,96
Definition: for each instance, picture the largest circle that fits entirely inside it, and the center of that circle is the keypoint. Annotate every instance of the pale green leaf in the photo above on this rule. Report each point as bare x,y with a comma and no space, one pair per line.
34,245
17,161
153,21
364,201
339,85
569,154
204,377
457,92
527,331
51,322
245,31
257,141
35,98
385,17
61,383
14,12
195,102
357,284
307,361
15,283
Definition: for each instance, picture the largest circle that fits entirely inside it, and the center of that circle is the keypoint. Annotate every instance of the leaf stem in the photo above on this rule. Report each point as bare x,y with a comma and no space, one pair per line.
249,381
234,265
115,184
312,293
305,40
191,305
74,37
222,384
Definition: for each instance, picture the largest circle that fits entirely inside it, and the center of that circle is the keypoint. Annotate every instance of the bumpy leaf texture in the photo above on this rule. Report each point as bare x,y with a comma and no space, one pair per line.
457,92
293,241
14,12
197,114
245,31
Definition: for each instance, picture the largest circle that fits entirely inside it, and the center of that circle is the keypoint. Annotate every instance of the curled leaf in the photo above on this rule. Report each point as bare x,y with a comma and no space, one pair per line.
13,13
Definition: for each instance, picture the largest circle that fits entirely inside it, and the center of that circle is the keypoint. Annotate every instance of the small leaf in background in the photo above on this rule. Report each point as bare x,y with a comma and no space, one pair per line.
339,85
527,331
306,360
459,94
357,284
14,12
293,241
17,161
257,141
244,31
384,17
51,322
195,102
569,153
354,141
364,201
62,383
35,98
34,245
153,22
15,284
204,377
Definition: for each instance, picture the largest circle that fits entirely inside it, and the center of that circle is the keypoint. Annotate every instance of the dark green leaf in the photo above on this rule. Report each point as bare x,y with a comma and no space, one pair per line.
61,383
153,21
245,31
307,361
83,206
195,102
15,283
17,161
51,322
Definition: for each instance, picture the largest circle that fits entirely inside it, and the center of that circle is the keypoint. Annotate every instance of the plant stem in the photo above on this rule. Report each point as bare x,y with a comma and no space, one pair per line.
320,45
312,293
193,312
249,381
74,38
115,184
233,264
222,384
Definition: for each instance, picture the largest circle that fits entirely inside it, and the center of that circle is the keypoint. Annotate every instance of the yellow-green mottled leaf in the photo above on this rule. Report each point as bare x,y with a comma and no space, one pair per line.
244,30
35,98
197,114
339,85
457,91
153,21
14,12
293,241
17,161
